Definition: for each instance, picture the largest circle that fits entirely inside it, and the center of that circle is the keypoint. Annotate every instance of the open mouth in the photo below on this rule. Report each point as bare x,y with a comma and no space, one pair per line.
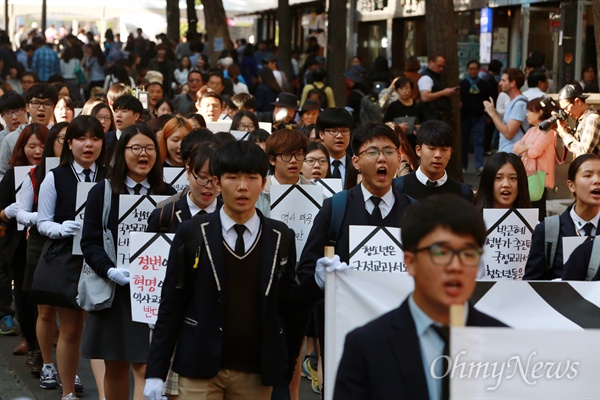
505,193
596,192
381,173
453,287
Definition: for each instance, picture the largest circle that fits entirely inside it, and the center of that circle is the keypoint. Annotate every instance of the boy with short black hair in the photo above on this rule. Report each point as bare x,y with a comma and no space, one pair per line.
209,105
12,109
229,290
434,145
127,110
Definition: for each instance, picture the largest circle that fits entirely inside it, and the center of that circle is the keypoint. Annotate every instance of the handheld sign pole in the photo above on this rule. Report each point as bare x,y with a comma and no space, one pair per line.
329,251
457,315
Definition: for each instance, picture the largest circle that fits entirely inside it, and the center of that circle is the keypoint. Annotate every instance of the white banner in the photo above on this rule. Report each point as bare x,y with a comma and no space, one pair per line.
219,126
331,186
353,298
240,135
83,189
148,266
296,206
376,248
267,126
176,178
134,211
508,241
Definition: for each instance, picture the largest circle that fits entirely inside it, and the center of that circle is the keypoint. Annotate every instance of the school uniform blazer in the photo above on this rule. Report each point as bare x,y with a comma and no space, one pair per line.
535,269
355,214
191,312
182,213
382,359
576,267
110,142
351,174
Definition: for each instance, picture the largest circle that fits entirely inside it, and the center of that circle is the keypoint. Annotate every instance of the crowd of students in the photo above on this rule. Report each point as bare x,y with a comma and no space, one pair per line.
235,307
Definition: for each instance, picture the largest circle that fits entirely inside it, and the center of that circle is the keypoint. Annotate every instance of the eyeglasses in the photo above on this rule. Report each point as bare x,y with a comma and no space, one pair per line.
27,82
194,80
374,152
311,161
10,113
60,139
442,255
137,150
202,181
243,127
38,104
103,119
287,157
339,131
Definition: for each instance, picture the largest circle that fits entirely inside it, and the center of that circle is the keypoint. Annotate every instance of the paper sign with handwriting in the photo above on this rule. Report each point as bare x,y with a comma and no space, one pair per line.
376,248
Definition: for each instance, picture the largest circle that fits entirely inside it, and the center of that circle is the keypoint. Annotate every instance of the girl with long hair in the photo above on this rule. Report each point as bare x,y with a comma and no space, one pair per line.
169,142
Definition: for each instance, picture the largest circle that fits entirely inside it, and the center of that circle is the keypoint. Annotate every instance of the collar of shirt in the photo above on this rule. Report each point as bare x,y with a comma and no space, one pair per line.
342,160
585,114
230,235
275,182
118,134
79,171
194,209
423,178
387,201
130,183
580,222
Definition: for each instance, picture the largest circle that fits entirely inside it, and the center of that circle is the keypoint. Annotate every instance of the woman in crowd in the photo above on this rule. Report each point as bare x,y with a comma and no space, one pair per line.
170,141
244,121
579,219
94,62
409,161
196,120
164,106
405,107
236,79
182,71
64,110
589,82
536,149
110,334
28,150
104,114
316,164
81,160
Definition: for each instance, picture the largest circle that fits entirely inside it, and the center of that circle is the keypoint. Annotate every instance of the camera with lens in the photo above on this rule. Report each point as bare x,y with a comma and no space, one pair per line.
559,114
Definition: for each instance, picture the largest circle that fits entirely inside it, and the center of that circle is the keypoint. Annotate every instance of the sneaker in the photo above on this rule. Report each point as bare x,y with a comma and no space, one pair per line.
70,396
308,370
48,378
78,385
36,363
7,326
315,386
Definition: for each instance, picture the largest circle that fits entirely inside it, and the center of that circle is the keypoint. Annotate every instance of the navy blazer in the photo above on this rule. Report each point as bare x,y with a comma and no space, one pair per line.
351,174
576,267
191,312
382,359
110,142
356,214
535,269
182,213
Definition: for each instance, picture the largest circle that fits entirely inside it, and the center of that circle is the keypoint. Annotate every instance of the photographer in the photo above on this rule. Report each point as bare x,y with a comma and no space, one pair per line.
586,138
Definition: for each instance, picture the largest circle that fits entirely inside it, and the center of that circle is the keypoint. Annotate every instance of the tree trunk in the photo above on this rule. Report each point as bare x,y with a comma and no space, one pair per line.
336,49
173,19
442,36
596,10
217,31
192,20
284,17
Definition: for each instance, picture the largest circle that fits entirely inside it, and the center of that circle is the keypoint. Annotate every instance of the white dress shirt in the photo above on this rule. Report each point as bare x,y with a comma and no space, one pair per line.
130,184
423,178
194,209
230,235
342,168
387,201
580,223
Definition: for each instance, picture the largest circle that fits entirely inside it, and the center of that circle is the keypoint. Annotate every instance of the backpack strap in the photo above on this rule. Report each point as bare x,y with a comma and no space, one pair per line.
166,217
338,211
594,261
398,184
551,232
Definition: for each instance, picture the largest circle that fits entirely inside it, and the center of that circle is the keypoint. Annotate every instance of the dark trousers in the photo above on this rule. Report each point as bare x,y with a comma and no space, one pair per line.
473,127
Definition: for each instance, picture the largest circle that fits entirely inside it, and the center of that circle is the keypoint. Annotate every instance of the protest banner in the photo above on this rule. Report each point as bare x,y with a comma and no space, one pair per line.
80,201
296,206
148,266
508,241
20,175
219,126
176,178
354,298
134,211
376,249
503,363
240,135
267,126
331,186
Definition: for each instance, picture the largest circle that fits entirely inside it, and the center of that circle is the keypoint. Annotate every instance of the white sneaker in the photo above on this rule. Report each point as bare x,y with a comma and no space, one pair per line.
70,396
48,378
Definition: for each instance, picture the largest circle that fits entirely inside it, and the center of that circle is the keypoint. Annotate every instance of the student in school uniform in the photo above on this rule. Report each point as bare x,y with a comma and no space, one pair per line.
229,289
434,146
110,334
127,111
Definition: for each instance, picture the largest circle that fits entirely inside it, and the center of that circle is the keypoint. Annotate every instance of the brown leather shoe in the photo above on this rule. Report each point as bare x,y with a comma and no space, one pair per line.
21,349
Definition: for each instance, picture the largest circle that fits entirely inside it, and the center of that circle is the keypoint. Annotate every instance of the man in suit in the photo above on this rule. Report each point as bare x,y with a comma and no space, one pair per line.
391,357
229,291
434,146
333,125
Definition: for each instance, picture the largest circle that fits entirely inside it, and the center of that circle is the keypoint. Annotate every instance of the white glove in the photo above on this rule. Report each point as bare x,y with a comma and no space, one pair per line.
119,275
69,228
153,389
12,210
326,264
27,218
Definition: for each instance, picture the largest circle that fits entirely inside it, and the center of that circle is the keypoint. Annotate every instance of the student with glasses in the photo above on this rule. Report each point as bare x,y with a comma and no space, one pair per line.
104,114
12,110
244,121
40,99
316,164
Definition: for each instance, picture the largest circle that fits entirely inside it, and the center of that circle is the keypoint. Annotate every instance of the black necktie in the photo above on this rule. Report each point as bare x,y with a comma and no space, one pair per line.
376,210
201,212
336,169
240,249
587,229
87,173
444,334
137,188
431,184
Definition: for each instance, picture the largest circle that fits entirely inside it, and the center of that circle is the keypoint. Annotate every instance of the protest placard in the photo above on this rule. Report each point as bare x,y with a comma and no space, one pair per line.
148,266
508,241
296,206
134,211
267,126
176,178
20,175
240,135
80,201
331,186
219,126
376,249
